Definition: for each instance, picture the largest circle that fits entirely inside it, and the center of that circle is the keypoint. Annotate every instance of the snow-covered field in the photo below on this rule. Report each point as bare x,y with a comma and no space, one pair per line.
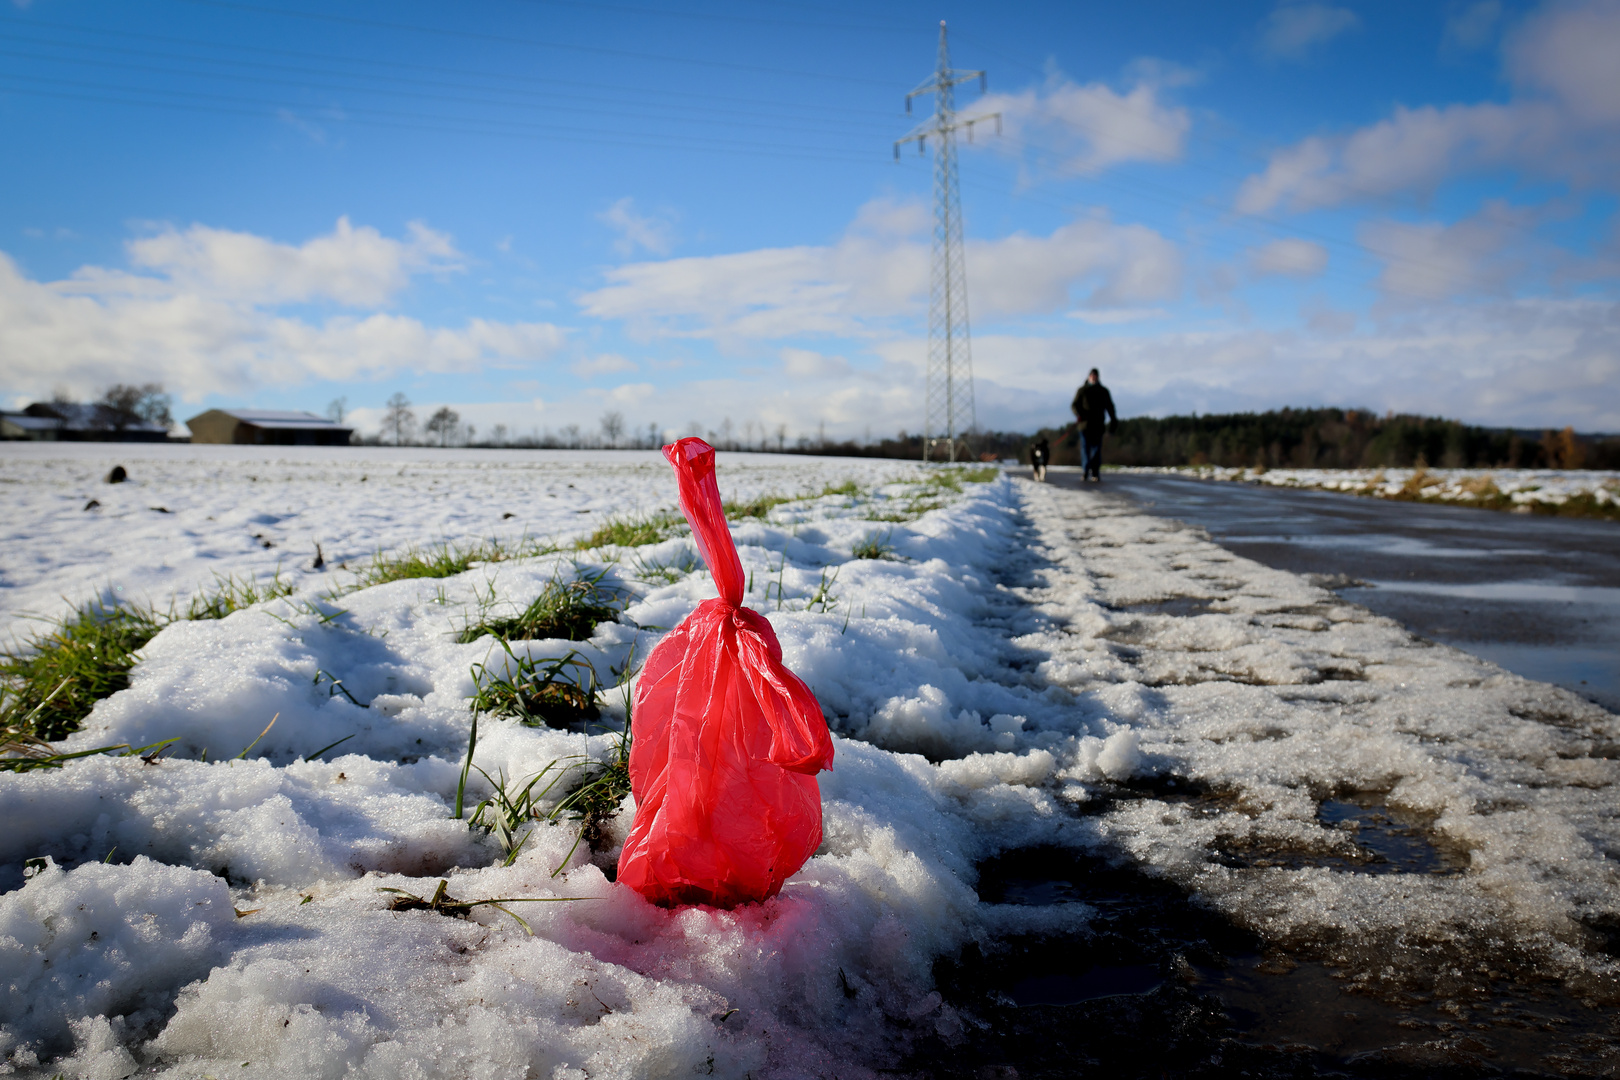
189,514
1515,487
1027,652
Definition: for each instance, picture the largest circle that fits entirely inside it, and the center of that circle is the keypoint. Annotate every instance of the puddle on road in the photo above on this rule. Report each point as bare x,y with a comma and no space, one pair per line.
1386,841
1100,981
1397,841
1175,605
1507,592
1160,985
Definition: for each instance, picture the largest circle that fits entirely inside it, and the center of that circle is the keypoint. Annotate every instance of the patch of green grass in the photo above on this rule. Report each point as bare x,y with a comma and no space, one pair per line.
53,680
633,532
848,487
667,572
1582,505
911,510
759,506
446,559
231,594
591,802
984,474
875,546
559,693
564,609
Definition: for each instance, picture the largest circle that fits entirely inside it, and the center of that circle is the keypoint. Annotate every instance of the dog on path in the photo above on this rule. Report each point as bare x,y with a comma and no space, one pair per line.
1039,455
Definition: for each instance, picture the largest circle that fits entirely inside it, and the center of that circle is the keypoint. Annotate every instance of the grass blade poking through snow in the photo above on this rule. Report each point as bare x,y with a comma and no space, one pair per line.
55,678
51,681
538,692
444,904
633,532
564,609
875,546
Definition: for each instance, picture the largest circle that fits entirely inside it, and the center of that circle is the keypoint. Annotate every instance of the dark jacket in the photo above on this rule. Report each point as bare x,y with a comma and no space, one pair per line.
1091,403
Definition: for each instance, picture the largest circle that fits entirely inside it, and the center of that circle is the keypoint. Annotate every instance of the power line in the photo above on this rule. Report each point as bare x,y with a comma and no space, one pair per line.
445,124
412,70
673,110
502,39
710,16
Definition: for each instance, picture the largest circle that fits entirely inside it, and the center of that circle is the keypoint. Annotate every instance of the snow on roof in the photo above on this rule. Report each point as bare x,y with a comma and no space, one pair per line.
34,423
274,418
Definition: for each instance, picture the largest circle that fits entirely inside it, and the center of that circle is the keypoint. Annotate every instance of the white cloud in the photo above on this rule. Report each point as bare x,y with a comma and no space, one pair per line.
349,266
1570,51
1472,27
1563,123
204,319
1412,151
1431,260
606,364
1529,363
857,285
1118,316
1288,258
807,364
638,231
314,132
1093,126
1292,29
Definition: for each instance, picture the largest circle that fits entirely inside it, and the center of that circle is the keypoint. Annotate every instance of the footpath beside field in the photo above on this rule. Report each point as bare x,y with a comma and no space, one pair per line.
1097,780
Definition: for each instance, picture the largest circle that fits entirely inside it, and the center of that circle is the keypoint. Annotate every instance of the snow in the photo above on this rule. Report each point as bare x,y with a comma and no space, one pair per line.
1002,682
1522,487
191,513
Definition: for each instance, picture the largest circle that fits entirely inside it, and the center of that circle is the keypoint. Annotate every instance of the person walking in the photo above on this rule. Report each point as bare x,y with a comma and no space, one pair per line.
1092,403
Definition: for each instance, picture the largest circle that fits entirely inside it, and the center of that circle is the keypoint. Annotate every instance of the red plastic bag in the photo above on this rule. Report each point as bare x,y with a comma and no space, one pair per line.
726,741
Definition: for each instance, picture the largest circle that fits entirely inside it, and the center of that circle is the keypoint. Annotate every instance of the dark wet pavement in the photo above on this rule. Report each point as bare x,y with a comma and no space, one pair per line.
1538,595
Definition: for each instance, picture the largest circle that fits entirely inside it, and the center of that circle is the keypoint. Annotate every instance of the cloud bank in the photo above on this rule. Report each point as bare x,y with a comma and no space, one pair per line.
202,310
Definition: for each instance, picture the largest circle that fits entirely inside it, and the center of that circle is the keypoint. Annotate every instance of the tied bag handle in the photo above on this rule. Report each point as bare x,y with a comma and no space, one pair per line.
693,461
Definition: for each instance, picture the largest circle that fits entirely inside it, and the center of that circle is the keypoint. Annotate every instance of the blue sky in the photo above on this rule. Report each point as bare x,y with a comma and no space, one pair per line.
540,211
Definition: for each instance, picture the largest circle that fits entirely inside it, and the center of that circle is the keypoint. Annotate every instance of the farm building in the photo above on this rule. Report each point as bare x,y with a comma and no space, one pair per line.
266,427
68,422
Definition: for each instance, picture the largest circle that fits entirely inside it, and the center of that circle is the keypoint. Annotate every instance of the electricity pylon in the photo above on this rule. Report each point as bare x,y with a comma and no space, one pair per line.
948,393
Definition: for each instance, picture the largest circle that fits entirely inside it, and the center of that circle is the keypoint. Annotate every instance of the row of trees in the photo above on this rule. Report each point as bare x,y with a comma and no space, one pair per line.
444,427
1336,439
122,406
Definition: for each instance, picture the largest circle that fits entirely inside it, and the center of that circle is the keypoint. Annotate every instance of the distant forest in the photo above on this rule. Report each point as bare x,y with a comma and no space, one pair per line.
1335,439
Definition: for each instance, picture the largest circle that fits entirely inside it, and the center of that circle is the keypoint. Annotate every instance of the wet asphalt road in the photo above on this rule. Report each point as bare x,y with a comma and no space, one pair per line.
1538,595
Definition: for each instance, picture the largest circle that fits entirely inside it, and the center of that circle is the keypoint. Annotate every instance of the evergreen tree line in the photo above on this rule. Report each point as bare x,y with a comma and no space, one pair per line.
1335,439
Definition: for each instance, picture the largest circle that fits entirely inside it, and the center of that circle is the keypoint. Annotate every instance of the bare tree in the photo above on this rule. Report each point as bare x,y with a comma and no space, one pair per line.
612,427
693,429
654,436
726,441
781,438
337,410
570,436
123,405
497,435
399,420
443,424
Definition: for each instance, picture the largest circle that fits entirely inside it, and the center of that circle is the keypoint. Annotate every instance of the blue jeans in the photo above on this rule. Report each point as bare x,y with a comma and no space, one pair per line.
1091,454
